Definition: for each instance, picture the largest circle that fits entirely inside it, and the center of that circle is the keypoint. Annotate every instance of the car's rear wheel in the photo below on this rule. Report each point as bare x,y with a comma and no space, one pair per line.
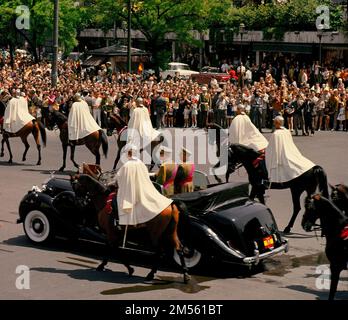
38,227
193,257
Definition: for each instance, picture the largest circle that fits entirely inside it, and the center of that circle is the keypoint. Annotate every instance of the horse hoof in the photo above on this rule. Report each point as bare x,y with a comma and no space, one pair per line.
150,277
61,169
130,271
1,155
100,268
187,278
287,230
10,161
24,159
38,163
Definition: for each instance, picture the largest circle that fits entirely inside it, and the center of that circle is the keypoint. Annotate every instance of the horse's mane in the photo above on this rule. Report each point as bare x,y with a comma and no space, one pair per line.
93,185
119,119
244,152
328,207
2,108
60,117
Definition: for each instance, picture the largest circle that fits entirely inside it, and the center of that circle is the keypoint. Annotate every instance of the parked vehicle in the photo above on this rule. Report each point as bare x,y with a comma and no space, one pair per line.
181,69
222,223
207,73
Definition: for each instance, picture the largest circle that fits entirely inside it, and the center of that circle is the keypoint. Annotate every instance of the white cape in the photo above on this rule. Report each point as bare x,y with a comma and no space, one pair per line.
16,115
137,199
243,131
80,121
284,161
140,131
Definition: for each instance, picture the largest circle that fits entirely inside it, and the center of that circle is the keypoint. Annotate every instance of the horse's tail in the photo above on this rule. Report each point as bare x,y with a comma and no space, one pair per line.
321,177
104,141
43,133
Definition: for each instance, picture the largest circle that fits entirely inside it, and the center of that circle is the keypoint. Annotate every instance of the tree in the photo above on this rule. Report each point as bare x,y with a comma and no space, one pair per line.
41,23
157,18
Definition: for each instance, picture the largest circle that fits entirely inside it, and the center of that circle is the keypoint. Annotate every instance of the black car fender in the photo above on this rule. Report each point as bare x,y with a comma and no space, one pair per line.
34,200
207,241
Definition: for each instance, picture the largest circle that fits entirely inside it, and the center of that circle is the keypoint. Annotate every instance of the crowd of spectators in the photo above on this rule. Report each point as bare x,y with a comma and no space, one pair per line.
310,97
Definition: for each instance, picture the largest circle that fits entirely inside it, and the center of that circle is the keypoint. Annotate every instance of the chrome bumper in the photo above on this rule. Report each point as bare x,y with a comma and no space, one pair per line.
254,260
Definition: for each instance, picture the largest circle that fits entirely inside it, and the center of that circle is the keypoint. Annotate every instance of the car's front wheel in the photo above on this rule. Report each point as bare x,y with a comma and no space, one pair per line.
38,227
192,257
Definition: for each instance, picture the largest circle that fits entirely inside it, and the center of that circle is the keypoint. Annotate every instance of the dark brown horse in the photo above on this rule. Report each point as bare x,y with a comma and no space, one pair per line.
334,225
115,122
32,127
162,229
92,141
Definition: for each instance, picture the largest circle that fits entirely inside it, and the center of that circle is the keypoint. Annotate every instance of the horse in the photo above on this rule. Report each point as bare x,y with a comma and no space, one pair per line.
34,127
115,122
339,196
161,228
309,181
334,226
93,141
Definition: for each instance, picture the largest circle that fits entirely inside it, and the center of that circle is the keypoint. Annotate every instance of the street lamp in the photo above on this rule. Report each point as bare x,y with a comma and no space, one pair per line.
129,43
54,72
242,31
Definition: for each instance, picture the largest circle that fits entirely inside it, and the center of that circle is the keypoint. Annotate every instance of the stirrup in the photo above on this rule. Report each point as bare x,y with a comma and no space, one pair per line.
266,183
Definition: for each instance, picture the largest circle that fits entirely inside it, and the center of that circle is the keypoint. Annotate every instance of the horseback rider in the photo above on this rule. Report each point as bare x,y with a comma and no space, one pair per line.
184,178
80,121
167,172
140,130
138,201
283,160
243,131
16,114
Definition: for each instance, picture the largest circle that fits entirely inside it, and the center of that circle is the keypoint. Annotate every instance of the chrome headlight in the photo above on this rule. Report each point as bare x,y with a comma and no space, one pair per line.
35,189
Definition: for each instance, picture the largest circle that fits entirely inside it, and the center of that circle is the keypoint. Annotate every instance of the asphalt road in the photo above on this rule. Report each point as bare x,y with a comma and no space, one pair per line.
65,271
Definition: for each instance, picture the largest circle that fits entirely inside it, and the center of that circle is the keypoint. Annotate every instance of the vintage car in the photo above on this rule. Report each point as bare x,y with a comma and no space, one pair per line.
181,69
207,73
221,223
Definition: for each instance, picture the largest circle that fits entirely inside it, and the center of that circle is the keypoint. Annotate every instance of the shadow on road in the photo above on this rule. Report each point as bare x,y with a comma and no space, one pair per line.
6,164
93,252
320,295
52,172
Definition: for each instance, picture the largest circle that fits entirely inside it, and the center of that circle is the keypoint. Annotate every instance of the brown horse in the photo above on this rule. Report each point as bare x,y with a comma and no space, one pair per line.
115,122
33,127
162,229
92,141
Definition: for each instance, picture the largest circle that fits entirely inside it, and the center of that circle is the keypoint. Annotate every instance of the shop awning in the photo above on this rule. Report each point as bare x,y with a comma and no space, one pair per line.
283,47
94,61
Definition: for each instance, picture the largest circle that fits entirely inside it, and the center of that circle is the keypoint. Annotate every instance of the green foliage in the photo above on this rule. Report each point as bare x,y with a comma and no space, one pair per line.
41,23
274,19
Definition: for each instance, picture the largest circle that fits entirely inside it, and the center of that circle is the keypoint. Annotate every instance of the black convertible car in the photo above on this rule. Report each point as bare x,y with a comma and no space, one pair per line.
222,223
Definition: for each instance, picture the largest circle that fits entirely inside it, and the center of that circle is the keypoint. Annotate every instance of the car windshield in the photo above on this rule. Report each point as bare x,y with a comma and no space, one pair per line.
180,67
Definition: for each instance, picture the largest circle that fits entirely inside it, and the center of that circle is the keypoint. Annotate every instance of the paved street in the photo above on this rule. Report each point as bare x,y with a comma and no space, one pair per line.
63,271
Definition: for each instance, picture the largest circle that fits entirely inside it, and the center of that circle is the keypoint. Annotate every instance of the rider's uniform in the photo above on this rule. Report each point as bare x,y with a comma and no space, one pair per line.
140,131
16,115
80,121
243,131
283,160
138,200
